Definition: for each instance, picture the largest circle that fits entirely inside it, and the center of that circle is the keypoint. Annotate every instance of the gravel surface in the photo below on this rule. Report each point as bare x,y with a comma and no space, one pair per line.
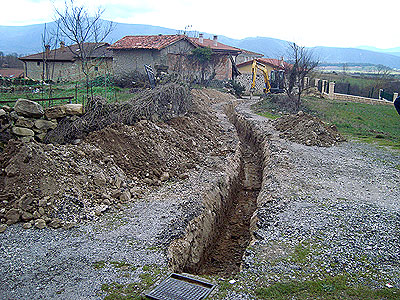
334,211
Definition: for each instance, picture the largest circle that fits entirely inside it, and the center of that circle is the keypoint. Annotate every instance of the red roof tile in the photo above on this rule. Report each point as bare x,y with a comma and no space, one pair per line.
11,72
156,42
218,47
68,53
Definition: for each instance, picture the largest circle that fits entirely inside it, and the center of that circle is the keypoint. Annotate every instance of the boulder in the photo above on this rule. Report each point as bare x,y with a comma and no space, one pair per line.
28,108
27,216
61,111
125,196
22,131
164,176
3,228
27,225
7,108
73,109
13,216
45,125
24,122
2,112
55,223
40,223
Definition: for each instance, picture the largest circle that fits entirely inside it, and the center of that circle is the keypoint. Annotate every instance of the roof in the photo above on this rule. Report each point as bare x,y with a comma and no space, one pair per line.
155,42
69,53
219,47
159,42
11,72
247,52
275,63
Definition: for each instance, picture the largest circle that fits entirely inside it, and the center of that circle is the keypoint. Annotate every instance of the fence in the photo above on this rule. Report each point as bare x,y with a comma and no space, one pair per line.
330,89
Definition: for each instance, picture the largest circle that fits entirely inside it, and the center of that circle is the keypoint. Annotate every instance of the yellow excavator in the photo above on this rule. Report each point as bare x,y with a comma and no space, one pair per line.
275,85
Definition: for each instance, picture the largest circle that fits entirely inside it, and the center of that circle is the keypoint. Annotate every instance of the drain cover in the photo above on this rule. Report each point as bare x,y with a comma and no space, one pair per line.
179,287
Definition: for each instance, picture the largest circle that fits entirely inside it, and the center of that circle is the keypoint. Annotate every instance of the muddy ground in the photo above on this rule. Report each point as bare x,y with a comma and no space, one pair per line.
129,191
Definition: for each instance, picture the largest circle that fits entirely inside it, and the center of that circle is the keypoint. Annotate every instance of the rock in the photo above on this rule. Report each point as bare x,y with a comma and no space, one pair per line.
14,116
40,223
27,225
11,170
164,176
7,108
42,202
61,111
2,112
40,136
36,215
55,223
125,196
148,181
118,182
24,122
73,109
28,108
45,125
99,179
27,216
55,112
26,139
25,201
106,201
13,216
41,211
3,228
116,194
22,131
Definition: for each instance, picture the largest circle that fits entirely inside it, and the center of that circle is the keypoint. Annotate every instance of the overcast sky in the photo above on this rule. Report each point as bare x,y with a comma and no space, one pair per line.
337,23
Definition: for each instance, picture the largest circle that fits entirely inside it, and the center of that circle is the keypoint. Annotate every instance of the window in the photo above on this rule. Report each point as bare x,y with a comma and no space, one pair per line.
38,63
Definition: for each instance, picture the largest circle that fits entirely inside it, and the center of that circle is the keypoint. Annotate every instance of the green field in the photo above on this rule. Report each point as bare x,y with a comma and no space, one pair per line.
371,123
111,93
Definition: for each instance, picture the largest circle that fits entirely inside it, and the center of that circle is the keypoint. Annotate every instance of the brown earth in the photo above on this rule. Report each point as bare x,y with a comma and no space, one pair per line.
308,130
71,183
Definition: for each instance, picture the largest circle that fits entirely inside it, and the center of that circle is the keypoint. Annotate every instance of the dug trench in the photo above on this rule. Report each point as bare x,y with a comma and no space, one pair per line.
215,241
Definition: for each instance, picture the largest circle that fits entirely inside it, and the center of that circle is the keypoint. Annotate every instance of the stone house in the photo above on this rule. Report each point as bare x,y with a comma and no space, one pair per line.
171,53
64,64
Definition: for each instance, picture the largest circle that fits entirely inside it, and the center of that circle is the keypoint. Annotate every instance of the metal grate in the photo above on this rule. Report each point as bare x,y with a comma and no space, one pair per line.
179,287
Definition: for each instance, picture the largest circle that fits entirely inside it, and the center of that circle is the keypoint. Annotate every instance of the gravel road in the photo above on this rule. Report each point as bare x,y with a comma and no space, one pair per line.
334,211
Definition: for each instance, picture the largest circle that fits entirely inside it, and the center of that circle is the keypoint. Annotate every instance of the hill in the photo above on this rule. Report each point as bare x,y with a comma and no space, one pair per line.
28,40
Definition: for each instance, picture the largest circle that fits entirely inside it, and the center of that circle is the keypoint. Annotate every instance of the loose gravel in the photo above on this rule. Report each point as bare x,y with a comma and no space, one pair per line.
334,211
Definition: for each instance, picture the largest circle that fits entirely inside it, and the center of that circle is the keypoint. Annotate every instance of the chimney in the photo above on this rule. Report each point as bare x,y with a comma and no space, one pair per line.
282,62
201,40
62,45
215,40
47,50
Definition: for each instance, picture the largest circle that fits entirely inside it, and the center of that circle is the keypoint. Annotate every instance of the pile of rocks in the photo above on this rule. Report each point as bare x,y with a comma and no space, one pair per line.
27,120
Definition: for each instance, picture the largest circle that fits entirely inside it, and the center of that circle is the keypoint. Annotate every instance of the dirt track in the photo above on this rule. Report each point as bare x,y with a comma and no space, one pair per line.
339,205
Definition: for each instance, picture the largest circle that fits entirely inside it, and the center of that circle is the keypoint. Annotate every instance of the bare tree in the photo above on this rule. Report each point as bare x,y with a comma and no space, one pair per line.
302,63
77,25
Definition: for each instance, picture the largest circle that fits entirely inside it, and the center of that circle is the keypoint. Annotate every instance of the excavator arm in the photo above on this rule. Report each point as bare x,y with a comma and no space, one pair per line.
257,65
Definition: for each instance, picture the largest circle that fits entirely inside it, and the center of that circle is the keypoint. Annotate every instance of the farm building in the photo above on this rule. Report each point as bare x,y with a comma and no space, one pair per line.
64,64
171,53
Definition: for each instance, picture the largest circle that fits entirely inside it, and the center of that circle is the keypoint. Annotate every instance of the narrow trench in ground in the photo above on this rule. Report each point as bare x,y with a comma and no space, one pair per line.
224,256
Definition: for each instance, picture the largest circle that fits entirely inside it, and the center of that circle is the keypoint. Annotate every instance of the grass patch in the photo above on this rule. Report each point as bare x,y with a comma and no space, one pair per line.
335,287
370,123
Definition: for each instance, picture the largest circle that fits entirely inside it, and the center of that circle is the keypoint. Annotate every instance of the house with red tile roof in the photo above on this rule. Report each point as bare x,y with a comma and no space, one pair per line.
64,64
171,52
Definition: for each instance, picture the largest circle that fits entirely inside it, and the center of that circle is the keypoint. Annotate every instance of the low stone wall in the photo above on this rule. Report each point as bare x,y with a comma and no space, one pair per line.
344,97
28,121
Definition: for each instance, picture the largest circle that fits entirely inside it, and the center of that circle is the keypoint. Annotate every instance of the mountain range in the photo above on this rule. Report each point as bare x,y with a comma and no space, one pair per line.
25,40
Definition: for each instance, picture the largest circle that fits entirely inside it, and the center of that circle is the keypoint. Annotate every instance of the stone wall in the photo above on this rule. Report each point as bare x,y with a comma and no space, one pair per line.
65,70
28,121
246,79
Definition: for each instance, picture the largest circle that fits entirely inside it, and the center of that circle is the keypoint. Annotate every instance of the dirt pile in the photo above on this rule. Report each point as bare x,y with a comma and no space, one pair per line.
59,185
308,130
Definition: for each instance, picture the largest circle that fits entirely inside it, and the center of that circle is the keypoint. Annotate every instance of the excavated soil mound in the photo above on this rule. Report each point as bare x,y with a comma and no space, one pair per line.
305,129
59,185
